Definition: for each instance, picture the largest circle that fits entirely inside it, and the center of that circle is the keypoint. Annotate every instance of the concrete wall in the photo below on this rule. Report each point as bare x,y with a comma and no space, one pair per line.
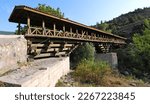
110,58
42,73
50,76
13,50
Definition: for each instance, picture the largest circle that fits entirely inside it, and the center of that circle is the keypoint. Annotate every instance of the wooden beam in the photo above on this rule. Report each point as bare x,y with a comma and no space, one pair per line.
41,50
72,49
53,45
44,55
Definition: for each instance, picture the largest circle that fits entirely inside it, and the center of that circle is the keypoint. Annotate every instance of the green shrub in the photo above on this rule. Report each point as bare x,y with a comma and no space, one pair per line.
83,52
90,72
135,58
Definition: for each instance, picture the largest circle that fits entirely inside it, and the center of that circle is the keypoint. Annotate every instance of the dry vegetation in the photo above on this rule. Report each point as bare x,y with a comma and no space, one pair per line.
98,74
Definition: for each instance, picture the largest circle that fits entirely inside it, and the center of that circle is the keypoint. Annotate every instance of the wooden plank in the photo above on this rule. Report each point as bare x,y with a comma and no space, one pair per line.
45,40
60,53
52,45
50,50
44,45
44,55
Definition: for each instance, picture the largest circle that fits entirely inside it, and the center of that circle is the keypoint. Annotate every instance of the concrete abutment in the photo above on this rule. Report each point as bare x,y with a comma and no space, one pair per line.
110,58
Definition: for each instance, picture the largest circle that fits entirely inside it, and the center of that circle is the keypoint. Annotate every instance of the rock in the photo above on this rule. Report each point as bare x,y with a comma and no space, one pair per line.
133,84
126,73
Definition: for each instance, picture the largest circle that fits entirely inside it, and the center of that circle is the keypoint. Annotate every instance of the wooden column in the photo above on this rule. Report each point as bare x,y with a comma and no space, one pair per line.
64,28
87,34
28,25
76,31
83,33
54,26
43,27
19,28
71,31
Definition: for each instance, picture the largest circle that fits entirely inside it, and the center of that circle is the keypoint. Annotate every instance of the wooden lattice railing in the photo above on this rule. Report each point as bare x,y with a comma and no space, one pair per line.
70,35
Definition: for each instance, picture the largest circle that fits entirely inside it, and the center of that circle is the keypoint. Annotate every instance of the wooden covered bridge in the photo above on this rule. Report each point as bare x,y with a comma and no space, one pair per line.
50,36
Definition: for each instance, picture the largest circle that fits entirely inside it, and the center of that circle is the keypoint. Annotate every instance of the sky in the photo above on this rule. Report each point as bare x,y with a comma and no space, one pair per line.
87,12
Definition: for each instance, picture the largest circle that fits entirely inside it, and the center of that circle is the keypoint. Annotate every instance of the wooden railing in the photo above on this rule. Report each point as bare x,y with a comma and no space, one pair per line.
70,35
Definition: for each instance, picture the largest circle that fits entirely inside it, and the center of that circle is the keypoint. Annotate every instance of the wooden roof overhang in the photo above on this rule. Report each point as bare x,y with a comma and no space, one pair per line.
21,13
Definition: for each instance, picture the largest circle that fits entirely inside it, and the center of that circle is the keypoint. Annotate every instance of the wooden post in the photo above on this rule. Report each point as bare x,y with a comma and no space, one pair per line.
28,24
64,29
54,26
71,31
19,28
87,34
83,33
43,27
76,31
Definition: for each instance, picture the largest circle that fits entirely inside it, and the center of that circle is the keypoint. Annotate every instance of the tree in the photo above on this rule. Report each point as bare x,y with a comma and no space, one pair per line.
103,26
48,9
136,57
142,45
23,30
83,52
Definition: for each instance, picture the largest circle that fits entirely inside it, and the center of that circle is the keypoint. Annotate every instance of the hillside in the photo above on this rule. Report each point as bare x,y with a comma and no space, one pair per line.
6,33
128,24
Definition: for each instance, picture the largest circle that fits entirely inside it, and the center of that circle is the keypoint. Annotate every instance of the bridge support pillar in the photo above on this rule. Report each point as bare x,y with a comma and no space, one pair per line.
110,58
